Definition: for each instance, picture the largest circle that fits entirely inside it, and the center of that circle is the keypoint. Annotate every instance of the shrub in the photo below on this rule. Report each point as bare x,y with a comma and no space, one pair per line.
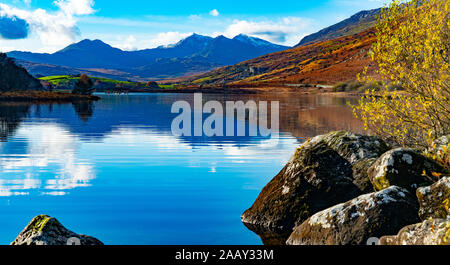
83,86
411,51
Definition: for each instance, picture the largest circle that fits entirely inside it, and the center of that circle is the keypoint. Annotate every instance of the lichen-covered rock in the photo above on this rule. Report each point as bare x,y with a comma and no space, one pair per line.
46,230
429,232
361,151
431,199
354,222
402,167
319,175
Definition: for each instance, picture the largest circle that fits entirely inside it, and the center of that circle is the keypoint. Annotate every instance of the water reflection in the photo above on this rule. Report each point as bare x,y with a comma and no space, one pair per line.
116,160
44,158
11,114
84,109
44,155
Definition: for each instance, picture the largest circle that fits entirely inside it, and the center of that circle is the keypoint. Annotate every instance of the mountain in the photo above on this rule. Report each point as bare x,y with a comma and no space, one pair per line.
327,62
334,54
194,54
357,23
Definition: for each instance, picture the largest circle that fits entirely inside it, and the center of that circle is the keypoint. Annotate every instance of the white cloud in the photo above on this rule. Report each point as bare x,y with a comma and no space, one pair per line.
134,42
75,7
214,13
194,17
288,30
56,28
129,44
167,38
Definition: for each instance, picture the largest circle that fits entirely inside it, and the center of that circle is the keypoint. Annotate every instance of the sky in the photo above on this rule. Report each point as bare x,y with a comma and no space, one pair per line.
50,25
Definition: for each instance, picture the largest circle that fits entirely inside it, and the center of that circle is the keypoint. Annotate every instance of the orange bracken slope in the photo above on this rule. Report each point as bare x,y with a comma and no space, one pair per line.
327,62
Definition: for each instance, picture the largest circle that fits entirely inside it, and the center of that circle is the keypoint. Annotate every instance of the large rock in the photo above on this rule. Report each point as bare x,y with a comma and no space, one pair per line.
46,230
14,77
432,199
404,168
326,170
429,232
354,222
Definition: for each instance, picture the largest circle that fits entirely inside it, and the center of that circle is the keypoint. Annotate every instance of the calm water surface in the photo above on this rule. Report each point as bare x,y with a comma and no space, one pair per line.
112,169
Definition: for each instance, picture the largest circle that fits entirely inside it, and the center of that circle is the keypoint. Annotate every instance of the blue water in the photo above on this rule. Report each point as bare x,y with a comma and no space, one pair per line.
113,169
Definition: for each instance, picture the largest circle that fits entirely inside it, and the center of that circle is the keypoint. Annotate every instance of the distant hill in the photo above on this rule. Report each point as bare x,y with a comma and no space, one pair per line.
194,54
15,78
326,62
357,23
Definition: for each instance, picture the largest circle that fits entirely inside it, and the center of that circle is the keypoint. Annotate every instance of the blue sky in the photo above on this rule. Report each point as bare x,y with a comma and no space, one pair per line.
49,25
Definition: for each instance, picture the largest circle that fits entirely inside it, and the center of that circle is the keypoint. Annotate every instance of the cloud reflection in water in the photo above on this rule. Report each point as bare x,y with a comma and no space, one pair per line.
49,163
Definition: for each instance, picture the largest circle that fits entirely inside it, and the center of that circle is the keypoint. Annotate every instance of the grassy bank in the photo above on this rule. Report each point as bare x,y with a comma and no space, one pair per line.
59,80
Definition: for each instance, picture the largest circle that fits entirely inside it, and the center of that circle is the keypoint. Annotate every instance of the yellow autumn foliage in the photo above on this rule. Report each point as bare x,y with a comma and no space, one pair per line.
411,51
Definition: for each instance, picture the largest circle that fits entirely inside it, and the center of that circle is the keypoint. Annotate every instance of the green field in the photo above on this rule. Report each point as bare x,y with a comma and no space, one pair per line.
68,81
58,80
166,86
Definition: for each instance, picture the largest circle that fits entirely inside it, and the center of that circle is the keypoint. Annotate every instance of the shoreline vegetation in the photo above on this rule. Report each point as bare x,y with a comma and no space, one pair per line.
110,86
44,96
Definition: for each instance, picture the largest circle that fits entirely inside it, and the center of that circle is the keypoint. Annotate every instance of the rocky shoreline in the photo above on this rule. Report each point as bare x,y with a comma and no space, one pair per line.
344,188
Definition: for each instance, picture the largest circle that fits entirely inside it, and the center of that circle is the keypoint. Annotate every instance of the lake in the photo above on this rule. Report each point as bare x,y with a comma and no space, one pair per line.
113,169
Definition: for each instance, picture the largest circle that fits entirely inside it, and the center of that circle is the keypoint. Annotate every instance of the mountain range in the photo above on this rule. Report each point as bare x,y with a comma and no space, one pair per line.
334,54
194,54
327,62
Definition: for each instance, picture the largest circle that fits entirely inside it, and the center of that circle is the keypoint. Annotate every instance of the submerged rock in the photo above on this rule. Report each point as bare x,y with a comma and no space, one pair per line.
46,230
402,167
429,232
326,170
431,199
354,222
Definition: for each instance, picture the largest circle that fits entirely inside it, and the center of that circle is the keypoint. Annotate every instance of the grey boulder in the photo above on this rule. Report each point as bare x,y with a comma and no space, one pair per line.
355,221
326,170
404,168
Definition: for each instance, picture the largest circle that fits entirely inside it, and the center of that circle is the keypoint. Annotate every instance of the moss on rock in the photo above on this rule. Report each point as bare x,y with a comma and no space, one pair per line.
46,230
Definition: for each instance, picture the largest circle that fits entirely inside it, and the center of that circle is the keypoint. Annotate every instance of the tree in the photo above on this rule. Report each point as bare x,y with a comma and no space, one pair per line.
411,51
83,86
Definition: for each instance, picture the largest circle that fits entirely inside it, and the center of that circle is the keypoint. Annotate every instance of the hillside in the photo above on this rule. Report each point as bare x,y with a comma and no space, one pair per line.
15,78
192,55
357,23
327,62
